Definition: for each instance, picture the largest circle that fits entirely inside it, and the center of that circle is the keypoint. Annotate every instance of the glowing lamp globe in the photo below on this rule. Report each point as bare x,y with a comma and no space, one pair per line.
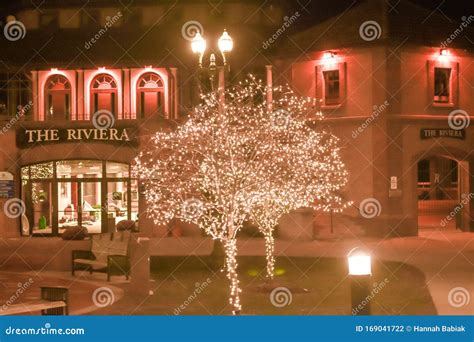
198,44
360,262
225,42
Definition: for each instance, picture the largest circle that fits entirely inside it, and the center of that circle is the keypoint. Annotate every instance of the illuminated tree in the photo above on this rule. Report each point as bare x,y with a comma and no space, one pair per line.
314,177
234,162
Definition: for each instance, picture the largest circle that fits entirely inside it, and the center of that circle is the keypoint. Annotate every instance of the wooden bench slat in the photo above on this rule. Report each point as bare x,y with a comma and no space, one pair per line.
91,262
32,307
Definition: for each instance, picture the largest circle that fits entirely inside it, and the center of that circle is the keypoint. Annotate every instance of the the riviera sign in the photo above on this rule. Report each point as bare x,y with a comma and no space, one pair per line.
29,137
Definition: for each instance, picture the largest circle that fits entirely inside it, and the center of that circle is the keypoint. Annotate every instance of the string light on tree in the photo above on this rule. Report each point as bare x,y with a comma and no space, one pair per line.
241,161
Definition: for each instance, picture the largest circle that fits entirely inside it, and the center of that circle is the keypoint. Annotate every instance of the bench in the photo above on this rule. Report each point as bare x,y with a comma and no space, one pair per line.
108,253
54,301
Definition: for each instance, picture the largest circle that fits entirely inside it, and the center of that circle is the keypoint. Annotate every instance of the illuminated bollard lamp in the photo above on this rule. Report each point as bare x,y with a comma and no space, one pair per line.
360,274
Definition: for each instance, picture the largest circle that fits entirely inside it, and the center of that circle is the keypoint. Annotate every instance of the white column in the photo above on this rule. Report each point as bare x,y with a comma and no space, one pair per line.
34,81
174,98
269,87
80,95
127,94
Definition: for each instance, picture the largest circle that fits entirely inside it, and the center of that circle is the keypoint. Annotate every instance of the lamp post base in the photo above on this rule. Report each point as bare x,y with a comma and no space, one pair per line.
360,294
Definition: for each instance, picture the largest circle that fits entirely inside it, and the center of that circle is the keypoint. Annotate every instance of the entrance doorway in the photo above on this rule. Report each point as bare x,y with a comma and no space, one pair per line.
441,185
89,193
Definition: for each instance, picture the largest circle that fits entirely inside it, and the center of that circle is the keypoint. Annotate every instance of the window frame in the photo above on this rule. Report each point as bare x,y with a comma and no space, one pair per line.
140,91
453,97
20,86
27,180
67,92
95,91
331,103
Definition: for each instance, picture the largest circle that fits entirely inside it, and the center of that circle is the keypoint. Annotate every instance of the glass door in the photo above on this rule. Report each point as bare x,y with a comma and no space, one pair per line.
117,202
79,204
90,209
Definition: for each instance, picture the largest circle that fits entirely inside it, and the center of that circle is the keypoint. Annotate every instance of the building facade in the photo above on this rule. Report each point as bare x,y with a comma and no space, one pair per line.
390,100
397,89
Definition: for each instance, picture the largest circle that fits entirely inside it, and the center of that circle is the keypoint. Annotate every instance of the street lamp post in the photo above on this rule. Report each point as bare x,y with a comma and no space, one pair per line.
360,273
225,45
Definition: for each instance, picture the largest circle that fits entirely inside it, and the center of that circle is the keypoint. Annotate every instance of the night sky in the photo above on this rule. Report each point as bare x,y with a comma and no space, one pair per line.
319,10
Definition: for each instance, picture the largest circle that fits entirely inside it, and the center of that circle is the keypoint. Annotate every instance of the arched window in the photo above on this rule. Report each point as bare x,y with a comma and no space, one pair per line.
57,97
150,92
104,94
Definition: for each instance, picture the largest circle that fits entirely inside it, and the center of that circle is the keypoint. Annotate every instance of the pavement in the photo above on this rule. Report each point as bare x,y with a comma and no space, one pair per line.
446,258
87,293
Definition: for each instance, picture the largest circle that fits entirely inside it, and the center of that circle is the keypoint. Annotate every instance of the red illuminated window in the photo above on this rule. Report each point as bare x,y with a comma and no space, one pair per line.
442,84
443,88
331,87
150,92
331,83
57,97
104,94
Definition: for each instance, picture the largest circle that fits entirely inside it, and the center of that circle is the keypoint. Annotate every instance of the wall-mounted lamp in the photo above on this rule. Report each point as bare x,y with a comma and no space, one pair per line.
329,54
54,69
444,52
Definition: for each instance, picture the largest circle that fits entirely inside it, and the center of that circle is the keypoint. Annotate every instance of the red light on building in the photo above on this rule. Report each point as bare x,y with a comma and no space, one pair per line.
444,52
329,54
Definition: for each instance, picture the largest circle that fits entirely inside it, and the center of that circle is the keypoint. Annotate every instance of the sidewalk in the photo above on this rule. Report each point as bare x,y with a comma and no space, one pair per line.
446,258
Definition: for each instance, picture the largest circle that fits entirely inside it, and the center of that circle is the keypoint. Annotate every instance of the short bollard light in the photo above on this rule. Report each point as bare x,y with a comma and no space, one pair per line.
360,273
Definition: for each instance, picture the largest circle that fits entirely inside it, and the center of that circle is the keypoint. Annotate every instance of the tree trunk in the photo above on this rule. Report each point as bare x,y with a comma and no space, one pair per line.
218,255
269,253
231,263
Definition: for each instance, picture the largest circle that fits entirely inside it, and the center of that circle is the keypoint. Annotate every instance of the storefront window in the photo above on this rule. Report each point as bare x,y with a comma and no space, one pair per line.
41,207
117,170
63,194
79,169
41,171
